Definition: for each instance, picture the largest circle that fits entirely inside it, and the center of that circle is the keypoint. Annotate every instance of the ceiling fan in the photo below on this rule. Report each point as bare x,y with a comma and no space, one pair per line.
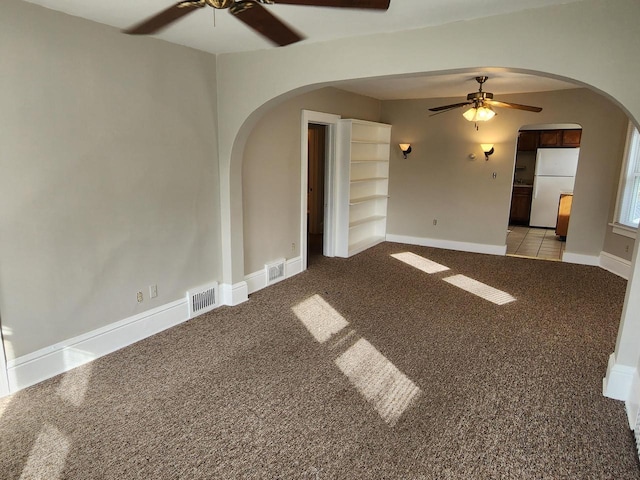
481,105
251,12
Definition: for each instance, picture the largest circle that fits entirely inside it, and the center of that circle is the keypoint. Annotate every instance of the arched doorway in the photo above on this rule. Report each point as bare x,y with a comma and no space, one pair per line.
546,164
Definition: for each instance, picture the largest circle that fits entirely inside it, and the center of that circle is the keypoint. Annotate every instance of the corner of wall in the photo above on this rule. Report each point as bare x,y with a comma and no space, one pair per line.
257,280
234,294
616,265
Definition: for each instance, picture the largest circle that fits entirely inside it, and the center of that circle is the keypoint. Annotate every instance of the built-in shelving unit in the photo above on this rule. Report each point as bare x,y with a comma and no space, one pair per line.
363,185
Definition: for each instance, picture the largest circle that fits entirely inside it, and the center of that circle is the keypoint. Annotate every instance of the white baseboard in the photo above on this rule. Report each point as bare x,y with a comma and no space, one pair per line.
257,280
619,380
616,265
633,402
50,361
581,259
449,244
294,266
234,294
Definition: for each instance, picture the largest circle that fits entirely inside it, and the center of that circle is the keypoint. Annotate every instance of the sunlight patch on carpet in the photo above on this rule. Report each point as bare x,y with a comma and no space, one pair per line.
320,318
48,455
4,404
480,289
6,336
419,262
74,384
378,380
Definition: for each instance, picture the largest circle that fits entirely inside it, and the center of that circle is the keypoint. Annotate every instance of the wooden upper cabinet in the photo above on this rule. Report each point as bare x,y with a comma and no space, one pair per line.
559,138
571,138
550,138
527,140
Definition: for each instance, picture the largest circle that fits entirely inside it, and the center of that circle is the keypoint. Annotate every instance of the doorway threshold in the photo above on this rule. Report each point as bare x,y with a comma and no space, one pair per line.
534,243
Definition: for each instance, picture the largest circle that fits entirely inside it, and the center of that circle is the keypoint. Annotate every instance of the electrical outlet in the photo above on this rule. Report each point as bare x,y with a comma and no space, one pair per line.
153,291
626,248
435,221
293,247
140,297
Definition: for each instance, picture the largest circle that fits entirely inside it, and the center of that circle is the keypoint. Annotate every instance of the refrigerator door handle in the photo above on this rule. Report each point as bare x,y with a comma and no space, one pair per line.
535,189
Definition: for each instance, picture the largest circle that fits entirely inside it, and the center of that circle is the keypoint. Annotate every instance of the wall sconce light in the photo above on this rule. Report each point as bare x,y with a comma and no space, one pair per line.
406,149
487,148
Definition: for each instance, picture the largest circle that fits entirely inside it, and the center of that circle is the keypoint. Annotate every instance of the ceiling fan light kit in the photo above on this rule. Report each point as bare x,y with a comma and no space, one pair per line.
251,13
481,105
479,114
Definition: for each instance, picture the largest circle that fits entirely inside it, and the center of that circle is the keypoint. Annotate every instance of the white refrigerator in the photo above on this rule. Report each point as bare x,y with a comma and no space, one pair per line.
554,174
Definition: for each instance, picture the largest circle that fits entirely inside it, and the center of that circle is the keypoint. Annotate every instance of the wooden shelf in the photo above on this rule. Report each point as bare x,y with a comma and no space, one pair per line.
371,179
369,161
363,221
369,142
363,185
370,198
364,244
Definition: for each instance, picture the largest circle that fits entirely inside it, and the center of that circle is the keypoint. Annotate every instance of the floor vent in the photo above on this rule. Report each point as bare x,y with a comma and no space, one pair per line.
275,271
202,299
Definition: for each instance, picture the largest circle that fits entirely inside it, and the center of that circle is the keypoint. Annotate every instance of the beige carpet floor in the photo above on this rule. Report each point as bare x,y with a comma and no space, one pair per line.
360,368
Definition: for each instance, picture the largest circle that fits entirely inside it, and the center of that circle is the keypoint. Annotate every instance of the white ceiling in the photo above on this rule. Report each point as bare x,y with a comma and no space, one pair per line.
197,30
500,82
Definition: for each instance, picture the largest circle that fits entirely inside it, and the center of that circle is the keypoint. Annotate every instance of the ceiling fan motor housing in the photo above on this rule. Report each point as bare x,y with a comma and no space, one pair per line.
221,4
480,96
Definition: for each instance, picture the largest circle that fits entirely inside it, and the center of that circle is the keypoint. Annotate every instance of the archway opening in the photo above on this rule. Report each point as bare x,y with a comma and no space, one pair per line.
546,163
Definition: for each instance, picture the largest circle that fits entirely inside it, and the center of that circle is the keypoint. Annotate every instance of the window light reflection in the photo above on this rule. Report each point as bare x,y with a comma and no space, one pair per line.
419,262
480,289
320,318
48,455
378,380
74,384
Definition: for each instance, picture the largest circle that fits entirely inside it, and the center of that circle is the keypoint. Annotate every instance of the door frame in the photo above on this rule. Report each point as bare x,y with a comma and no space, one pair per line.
535,126
331,122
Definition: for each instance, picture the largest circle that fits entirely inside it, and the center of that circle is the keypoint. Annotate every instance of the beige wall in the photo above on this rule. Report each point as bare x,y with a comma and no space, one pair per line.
271,172
615,244
109,177
108,146
592,41
439,181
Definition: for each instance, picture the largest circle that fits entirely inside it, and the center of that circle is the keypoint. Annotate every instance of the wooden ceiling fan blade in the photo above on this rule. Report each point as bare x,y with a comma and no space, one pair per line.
449,107
265,23
528,108
162,19
375,4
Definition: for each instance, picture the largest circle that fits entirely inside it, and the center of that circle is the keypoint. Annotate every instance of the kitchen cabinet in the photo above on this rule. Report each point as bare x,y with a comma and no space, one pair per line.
520,205
571,138
528,141
559,138
550,138
363,185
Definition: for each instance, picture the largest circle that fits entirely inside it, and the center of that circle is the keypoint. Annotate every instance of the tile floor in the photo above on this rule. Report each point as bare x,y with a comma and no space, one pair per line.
534,242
